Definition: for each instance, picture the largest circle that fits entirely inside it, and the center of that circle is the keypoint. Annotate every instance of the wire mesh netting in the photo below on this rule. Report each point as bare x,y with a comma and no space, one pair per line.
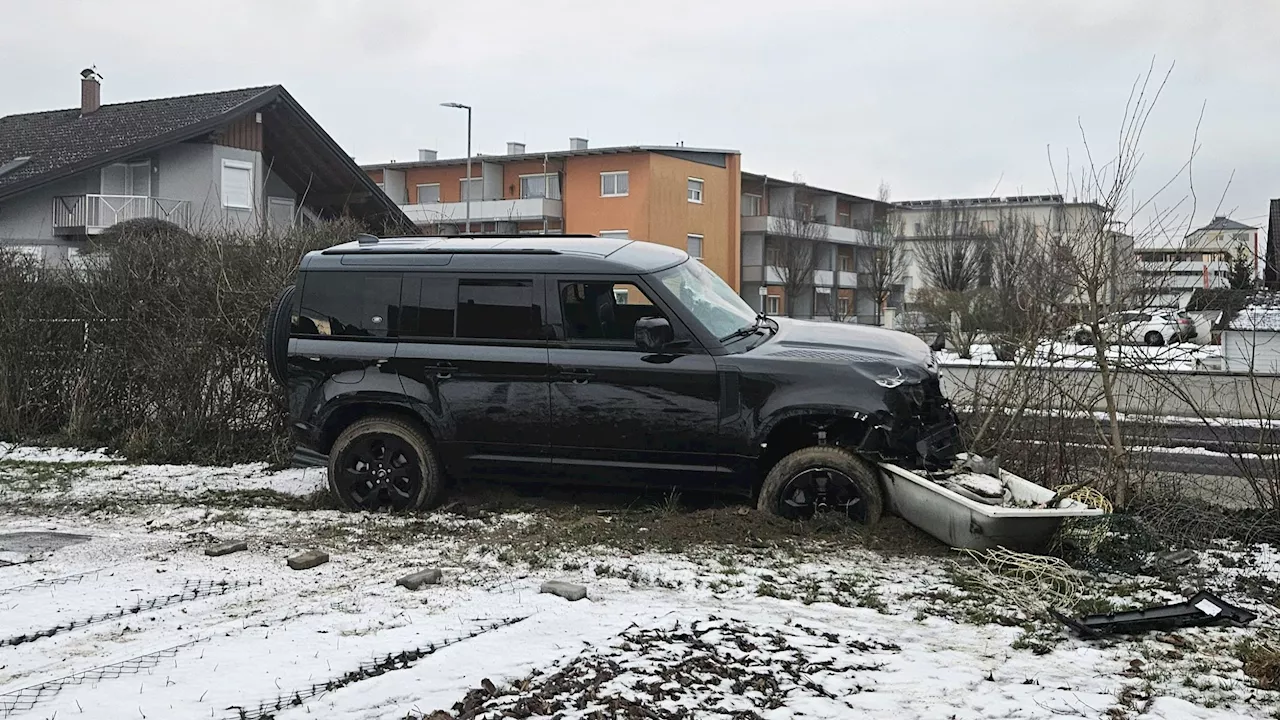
191,590
26,698
266,709
50,582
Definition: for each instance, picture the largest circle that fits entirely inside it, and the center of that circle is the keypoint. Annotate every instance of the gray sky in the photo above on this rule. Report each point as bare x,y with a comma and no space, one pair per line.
935,97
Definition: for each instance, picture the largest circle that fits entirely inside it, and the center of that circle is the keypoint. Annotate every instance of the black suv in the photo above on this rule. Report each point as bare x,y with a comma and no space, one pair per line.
583,359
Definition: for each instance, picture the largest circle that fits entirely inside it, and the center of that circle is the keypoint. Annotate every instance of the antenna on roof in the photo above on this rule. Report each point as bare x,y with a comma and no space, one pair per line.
367,239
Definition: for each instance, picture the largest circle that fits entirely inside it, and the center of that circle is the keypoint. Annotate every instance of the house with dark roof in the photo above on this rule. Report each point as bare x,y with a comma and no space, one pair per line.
240,159
1251,338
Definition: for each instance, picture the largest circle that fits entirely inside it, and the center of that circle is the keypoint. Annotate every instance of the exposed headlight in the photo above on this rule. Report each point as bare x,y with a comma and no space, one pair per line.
891,382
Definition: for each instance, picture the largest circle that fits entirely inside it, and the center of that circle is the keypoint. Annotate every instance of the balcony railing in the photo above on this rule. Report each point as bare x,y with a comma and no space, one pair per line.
774,225
91,214
509,210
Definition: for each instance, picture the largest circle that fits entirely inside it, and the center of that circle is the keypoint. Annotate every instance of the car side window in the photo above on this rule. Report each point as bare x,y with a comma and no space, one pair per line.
603,310
498,309
428,306
349,305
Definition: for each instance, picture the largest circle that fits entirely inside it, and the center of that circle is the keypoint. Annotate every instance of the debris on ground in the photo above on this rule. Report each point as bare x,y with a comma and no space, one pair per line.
413,581
1203,608
226,548
567,590
308,559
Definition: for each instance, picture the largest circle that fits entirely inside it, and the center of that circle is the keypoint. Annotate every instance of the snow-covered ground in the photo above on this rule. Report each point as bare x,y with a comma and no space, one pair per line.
1184,356
747,619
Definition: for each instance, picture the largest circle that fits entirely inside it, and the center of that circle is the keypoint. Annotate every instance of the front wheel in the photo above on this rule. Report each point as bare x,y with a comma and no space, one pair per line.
1084,337
1154,339
384,464
822,480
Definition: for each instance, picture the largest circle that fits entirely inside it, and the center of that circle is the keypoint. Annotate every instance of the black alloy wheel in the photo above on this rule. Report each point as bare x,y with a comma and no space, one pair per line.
383,465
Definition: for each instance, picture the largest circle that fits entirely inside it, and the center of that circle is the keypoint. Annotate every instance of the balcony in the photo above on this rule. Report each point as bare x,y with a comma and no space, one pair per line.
91,214
773,225
514,210
770,275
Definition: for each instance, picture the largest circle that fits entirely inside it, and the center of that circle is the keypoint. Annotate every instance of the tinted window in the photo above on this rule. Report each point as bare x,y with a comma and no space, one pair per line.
498,310
428,307
342,304
603,310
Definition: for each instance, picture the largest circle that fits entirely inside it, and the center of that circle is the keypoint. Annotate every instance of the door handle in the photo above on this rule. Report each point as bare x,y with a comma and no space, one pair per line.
444,370
579,376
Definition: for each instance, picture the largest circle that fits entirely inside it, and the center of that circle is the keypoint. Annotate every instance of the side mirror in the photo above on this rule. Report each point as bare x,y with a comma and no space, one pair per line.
653,334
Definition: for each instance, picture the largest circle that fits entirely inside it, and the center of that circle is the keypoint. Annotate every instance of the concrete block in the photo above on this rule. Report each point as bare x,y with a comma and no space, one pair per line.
413,581
308,559
567,590
226,548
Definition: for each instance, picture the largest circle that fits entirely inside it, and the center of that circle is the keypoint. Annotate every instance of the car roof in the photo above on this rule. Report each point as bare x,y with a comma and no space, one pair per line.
497,253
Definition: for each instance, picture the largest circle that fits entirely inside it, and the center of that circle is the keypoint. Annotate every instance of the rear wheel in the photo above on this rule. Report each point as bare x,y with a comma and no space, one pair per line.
1154,338
822,480
384,464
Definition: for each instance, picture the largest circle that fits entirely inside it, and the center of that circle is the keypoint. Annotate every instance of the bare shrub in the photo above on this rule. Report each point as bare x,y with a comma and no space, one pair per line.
152,347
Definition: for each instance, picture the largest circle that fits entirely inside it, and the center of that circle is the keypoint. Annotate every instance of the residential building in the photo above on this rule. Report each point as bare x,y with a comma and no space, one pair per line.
249,158
804,249
674,195
1203,259
1074,226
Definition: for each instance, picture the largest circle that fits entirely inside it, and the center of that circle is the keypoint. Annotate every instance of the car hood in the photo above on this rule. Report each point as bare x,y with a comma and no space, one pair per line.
844,343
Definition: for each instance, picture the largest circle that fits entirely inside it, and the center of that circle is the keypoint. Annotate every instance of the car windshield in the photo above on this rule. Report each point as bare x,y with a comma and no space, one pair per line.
708,298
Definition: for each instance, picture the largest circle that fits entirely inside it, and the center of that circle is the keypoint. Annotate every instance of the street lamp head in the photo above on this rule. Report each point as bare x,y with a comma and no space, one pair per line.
460,106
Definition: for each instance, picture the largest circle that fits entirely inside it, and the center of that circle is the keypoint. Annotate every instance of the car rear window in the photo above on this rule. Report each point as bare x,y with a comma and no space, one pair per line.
348,305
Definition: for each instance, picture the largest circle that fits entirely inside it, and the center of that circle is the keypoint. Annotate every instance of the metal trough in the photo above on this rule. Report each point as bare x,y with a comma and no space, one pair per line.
962,522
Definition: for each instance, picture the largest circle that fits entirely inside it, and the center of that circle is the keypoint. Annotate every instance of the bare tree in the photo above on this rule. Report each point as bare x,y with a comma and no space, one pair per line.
883,268
796,250
951,250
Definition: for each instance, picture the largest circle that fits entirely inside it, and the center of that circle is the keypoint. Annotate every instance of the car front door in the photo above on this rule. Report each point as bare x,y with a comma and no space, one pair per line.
473,356
618,412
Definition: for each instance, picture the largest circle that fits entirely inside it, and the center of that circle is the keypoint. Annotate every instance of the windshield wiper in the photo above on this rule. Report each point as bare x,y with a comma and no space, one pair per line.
761,323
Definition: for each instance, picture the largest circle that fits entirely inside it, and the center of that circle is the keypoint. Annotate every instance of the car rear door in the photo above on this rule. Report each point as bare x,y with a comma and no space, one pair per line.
618,412
473,356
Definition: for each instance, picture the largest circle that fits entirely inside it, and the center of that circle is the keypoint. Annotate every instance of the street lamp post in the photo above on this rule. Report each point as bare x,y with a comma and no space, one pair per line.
460,106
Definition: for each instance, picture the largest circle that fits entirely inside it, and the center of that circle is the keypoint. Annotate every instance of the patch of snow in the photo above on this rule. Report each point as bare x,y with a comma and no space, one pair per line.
25,453
1257,318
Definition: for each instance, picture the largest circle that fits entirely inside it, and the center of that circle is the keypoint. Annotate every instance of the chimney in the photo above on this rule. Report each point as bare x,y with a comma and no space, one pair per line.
425,155
90,91
577,143
515,148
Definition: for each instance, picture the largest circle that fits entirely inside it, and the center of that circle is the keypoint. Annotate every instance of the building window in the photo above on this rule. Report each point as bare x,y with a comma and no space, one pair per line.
844,219
498,310
772,304
614,184
846,306
428,193
126,179
695,190
280,213
773,256
237,184
615,234
845,263
917,229
476,192
693,244
540,186
750,205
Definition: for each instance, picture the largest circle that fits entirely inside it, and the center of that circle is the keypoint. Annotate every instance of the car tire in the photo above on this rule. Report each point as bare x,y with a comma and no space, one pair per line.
1154,338
275,335
1084,337
778,493
406,476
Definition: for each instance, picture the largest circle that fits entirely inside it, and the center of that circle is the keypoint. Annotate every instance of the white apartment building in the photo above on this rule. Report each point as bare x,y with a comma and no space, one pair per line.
1201,260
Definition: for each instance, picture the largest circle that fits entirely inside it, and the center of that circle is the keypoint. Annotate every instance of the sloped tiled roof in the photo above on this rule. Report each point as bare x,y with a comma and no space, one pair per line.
60,142
1223,223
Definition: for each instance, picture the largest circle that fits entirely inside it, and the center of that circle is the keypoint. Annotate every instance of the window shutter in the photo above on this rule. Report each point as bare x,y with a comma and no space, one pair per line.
237,185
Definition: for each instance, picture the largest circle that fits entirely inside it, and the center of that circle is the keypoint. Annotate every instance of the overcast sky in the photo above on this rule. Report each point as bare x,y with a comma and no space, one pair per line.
938,98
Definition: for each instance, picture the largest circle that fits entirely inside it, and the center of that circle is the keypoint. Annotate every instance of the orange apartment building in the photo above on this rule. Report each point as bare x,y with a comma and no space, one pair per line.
688,198
694,199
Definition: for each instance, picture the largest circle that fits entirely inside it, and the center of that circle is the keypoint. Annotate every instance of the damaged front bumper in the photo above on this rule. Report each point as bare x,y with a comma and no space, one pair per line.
919,430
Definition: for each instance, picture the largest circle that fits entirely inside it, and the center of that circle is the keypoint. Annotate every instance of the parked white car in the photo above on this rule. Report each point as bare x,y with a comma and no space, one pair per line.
1150,327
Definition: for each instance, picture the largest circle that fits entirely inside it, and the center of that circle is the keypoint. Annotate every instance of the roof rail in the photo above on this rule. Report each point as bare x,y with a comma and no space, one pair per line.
391,250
